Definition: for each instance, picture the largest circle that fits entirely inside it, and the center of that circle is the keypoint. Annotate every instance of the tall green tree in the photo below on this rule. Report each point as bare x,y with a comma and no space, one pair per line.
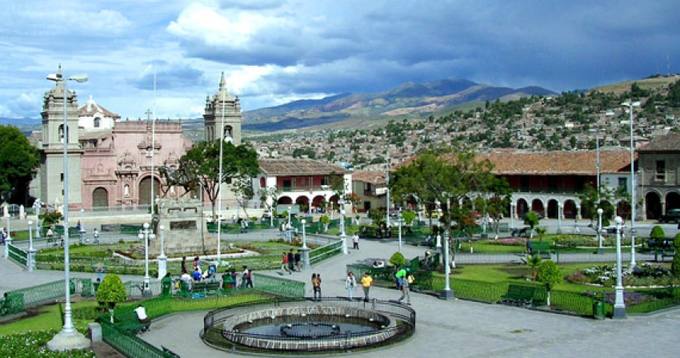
111,292
239,166
18,163
531,218
549,275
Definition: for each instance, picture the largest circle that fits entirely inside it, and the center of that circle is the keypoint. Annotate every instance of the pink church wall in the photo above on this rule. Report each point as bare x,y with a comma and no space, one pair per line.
117,158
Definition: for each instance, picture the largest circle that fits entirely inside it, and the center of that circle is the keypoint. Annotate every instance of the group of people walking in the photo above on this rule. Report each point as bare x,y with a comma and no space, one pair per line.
291,261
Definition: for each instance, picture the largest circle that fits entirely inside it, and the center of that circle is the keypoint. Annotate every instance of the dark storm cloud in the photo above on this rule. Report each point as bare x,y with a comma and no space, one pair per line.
561,45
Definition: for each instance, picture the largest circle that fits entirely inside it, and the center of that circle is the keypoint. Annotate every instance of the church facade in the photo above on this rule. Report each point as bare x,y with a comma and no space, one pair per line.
114,162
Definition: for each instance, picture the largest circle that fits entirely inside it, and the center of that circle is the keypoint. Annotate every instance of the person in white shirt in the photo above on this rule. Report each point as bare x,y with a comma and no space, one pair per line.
142,317
355,241
350,283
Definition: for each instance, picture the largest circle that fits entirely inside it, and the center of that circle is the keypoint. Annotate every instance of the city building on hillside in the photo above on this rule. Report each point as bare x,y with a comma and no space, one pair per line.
371,189
660,175
311,184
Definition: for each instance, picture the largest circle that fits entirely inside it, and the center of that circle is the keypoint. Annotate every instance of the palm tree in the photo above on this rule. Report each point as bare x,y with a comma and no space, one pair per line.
533,261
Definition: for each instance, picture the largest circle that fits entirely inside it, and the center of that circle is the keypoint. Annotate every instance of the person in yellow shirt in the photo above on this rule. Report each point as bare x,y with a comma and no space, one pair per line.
366,282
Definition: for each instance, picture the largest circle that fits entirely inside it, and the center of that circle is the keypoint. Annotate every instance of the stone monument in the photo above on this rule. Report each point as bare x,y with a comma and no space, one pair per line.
185,229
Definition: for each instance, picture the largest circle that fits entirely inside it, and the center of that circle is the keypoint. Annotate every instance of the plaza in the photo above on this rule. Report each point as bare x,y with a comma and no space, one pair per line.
461,327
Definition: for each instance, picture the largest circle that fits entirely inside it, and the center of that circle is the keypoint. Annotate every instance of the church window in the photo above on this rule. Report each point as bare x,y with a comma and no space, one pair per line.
97,121
61,133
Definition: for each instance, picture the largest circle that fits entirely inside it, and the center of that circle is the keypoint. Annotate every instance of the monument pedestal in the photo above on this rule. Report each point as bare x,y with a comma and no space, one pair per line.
67,341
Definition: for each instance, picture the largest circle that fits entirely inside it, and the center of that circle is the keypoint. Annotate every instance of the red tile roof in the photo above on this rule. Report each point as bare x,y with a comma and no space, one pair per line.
292,167
556,162
373,177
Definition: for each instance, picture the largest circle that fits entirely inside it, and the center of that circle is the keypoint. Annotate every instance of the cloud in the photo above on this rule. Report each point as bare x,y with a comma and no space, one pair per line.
169,76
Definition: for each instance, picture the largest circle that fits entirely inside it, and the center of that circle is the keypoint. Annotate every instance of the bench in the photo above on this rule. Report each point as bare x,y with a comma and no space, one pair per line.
522,295
541,248
206,287
128,322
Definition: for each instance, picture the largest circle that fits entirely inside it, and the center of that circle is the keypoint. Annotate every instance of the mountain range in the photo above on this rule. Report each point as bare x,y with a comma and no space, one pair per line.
408,99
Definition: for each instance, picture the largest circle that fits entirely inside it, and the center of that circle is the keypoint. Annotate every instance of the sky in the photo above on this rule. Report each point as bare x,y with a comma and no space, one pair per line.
273,52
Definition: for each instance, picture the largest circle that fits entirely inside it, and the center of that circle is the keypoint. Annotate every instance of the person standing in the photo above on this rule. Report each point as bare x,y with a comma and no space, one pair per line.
350,283
316,286
401,276
297,261
355,241
406,288
284,263
366,282
291,260
244,277
249,279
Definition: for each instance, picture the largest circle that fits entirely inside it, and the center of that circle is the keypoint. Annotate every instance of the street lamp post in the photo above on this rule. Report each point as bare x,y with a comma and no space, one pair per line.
446,294
599,230
31,249
36,210
512,215
560,209
68,338
400,220
343,235
8,240
289,226
305,250
619,304
146,234
630,105
162,259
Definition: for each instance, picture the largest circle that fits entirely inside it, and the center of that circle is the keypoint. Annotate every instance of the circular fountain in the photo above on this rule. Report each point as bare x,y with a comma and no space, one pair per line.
330,325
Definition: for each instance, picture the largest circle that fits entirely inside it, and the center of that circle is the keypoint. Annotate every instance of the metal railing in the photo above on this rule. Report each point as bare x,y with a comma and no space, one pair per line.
17,255
405,326
129,345
321,253
279,286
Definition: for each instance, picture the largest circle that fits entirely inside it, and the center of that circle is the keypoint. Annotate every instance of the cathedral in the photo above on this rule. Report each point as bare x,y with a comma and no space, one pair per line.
114,162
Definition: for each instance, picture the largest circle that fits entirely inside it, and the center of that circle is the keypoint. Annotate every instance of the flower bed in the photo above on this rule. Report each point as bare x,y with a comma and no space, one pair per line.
33,345
644,275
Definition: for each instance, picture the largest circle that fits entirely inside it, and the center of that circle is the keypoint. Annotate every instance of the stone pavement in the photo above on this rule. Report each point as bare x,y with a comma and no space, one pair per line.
463,328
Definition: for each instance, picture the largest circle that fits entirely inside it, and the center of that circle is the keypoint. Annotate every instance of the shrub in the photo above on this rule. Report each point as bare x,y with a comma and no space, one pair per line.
409,216
675,266
110,292
33,344
549,274
397,259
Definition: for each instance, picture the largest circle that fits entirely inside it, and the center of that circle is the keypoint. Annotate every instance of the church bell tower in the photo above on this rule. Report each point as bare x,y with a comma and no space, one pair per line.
223,108
52,150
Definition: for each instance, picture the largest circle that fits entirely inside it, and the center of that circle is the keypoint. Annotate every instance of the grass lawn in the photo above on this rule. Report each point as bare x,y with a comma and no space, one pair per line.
21,235
47,317
518,273
489,247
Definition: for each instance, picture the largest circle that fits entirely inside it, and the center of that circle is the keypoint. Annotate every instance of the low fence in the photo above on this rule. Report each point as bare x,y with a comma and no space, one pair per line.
279,286
323,252
129,345
17,255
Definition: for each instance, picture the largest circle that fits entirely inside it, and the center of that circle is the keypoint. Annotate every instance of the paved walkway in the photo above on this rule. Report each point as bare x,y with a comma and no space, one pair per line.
463,328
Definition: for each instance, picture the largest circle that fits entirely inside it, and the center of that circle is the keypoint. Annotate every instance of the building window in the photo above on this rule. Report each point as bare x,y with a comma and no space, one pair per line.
60,130
61,177
623,185
97,122
324,180
263,182
660,170
287,184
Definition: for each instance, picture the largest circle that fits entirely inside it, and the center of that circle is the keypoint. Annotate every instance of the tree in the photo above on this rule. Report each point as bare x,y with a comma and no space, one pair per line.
397,259
497,199
531,218
18,160
534,261
549,275
325,220
409,216
111,292
50,217
239,166
589,203
675,266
